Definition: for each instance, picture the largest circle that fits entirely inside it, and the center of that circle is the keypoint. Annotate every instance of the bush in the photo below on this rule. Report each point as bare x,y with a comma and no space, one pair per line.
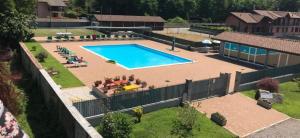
138,112
88,37
219,119
115,125
41,56
97,83
185,122
268,84
151,87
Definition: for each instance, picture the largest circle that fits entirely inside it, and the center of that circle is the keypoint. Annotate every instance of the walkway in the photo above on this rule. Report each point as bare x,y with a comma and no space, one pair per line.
287,129
243,115
78,94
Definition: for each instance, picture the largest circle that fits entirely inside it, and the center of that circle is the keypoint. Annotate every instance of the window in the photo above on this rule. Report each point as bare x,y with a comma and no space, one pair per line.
286,29
257,29
277,29
246,29
282,29
292,29
296,29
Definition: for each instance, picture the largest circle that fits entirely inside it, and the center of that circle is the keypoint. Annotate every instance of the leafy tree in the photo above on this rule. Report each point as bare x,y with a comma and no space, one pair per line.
185,122
14,27
116,125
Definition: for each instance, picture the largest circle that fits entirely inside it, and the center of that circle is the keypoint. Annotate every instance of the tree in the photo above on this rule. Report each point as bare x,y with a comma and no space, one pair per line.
14,27
185,122
116,125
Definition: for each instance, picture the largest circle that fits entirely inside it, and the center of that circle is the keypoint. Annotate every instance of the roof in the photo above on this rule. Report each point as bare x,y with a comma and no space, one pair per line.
277,14
280,45
248,17
54,2
128,18
60,20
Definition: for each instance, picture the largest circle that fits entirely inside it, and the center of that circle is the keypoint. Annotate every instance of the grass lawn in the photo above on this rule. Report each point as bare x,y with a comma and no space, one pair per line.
291,101
65,78
52,32
159,124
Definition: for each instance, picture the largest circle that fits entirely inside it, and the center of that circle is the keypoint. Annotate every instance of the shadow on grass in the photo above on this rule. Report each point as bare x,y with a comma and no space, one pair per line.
36,119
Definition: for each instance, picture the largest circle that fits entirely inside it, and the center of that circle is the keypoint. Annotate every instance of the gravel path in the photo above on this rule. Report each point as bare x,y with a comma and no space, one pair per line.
286,129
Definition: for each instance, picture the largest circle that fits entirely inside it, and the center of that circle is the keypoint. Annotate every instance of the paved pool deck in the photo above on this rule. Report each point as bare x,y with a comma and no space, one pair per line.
203,67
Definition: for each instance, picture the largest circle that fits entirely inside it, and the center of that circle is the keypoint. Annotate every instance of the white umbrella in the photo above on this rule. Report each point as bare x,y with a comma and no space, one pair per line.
216,42
206,42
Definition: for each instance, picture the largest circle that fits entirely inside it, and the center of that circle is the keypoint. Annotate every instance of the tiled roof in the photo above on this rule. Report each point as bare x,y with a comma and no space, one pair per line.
127,18
248,17
60,20
281,45
277,14
54,2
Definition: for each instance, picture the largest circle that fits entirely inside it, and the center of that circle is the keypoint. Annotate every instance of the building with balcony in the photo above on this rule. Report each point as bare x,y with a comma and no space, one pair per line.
50,8
277,23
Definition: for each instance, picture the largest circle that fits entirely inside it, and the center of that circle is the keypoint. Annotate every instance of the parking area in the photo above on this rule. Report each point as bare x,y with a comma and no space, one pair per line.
243,115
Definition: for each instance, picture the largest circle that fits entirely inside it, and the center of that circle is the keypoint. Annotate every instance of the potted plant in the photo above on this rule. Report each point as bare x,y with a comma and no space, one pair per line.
138,112
97,83
117,78
131,78
219,119
94,37
144,84
124,78
88,37
138,81
151,87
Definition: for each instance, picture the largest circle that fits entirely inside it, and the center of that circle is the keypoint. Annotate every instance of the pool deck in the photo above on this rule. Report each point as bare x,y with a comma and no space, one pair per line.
203,67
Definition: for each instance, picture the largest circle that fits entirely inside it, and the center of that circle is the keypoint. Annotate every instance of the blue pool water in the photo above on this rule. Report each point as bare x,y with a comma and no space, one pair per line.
134,56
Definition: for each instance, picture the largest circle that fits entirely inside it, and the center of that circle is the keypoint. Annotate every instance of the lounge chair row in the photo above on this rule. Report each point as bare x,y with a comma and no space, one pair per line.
94,37
71,57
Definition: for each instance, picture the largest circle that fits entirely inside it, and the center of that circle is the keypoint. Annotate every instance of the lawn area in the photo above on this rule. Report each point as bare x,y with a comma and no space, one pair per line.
291,100
159,124
65,78
52,32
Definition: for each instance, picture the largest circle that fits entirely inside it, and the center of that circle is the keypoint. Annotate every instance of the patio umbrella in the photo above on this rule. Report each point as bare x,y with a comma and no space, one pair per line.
216,41
206,42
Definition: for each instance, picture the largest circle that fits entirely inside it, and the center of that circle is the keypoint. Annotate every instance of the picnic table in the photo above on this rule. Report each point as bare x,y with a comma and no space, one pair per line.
131,87
63,33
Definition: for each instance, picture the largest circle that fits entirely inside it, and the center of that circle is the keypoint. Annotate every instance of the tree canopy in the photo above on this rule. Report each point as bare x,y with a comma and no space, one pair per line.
217,10
16,17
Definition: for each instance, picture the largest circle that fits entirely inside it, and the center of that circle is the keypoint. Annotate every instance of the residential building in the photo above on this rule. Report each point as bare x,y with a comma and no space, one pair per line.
155,22
259,50
50,8
277,23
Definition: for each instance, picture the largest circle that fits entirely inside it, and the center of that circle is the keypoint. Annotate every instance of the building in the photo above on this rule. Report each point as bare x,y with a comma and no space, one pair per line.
259,50
50,8
277,23
155,22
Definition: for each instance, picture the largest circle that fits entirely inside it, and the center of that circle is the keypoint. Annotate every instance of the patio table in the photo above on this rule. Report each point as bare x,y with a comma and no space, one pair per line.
131,87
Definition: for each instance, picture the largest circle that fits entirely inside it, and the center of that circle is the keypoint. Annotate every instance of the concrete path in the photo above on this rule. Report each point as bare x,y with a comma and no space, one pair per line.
78,94
286,129
243,115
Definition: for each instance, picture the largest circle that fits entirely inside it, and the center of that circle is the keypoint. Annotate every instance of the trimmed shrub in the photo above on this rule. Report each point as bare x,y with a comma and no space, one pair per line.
41,56
138,112
185,122
115,125
268,84
219,119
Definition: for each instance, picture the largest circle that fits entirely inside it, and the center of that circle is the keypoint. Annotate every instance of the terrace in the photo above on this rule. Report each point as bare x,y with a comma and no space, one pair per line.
203,66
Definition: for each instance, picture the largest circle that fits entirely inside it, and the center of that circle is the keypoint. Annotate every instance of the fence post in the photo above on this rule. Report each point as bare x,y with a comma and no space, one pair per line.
238,76
188,91
226,76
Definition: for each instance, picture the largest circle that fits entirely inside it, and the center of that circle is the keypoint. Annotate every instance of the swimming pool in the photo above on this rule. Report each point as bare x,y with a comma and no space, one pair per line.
134,56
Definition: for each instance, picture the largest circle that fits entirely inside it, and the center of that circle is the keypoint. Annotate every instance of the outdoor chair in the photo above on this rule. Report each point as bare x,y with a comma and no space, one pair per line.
81,37
49,38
